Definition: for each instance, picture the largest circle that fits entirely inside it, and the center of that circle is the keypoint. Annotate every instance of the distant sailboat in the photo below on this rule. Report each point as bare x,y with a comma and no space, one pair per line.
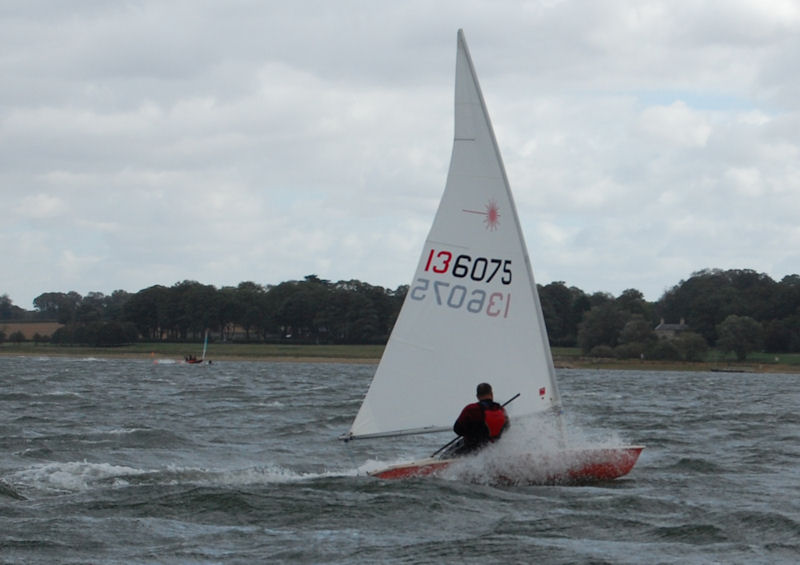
194,360
472,314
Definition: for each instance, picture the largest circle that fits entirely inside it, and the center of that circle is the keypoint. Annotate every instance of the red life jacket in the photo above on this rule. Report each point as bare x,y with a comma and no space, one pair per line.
495,419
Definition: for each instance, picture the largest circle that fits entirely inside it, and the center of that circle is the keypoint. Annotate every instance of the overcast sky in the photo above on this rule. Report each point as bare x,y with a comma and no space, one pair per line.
151,142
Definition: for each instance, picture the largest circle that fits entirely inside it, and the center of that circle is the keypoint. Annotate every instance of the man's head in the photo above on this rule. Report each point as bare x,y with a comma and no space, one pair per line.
484,392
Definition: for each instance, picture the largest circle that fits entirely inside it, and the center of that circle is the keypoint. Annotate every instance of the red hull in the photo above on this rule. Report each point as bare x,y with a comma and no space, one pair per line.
567,467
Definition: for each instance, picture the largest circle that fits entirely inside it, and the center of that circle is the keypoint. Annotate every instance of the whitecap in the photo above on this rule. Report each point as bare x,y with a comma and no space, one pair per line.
165,361
72,476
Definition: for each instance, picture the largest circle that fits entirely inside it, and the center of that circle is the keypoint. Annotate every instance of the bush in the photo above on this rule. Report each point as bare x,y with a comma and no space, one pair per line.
17,337
665,350
63,335
39,338
602,351
691,346
633,350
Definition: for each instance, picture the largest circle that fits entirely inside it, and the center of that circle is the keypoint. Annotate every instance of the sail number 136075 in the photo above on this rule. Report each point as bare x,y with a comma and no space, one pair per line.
479,269
494,304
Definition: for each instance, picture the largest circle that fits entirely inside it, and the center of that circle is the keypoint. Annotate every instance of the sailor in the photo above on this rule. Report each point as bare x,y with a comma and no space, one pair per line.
480,423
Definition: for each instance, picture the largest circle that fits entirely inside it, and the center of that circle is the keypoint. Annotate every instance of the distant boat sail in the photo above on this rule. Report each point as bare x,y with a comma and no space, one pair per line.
472,312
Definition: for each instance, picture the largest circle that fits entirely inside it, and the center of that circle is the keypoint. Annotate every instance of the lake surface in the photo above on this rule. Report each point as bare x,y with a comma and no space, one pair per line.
128,461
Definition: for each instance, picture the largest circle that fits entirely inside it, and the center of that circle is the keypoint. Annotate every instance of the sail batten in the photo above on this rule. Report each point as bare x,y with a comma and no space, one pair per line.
472,313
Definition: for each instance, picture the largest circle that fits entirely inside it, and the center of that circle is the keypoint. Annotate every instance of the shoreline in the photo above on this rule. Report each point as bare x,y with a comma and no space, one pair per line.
677,366
371,356
180,361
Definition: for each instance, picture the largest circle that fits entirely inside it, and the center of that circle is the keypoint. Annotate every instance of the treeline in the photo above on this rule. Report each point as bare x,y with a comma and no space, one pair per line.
733,310
736,311
308,311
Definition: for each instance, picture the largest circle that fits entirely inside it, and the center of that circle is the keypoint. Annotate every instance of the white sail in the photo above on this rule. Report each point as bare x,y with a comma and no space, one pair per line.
205,347
472,313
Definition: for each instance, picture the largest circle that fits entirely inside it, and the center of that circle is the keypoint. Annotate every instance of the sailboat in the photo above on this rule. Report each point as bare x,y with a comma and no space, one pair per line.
472,314
192,360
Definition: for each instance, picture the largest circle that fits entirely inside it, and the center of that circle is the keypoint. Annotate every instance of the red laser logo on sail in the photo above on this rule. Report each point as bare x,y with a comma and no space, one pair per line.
491,213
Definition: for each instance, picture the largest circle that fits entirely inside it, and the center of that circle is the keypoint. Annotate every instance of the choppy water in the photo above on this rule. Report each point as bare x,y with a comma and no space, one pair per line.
123,461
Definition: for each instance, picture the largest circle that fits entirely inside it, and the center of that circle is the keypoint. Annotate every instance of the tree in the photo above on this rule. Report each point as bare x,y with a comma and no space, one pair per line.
145,310
739,334
90,308
115,333
5,307
637,330
632,300
664,350
200,307
63,307
297,313
8,311
778,336
710,295
563,309
114,305
247,303
601,326
605,323
691,346
636,338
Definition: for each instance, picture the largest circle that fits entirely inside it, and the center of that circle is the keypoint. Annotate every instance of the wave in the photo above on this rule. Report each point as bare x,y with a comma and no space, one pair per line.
80,476
272,404
69,476
696,465
8,491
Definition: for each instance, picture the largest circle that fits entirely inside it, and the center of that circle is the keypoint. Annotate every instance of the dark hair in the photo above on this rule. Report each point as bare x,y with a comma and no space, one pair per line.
484,389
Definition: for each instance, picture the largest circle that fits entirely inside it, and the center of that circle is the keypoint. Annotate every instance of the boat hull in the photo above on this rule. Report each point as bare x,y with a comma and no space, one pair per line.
572,466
